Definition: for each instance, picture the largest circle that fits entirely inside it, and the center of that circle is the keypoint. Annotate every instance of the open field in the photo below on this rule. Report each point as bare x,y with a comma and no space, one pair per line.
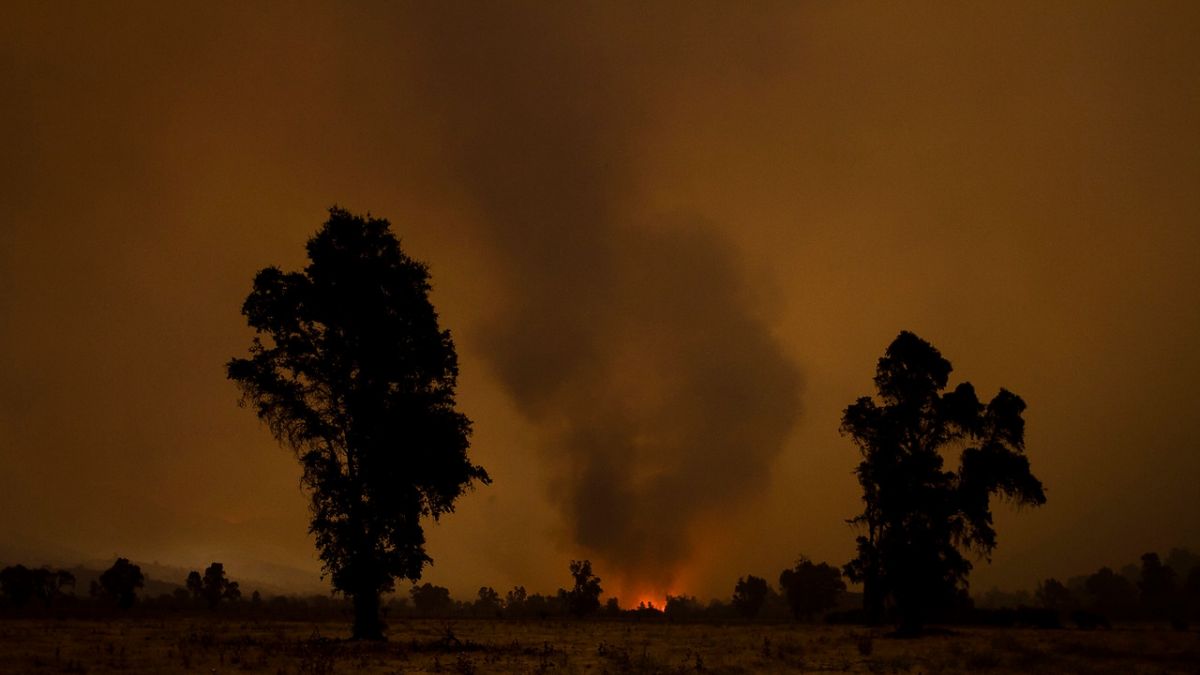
492,646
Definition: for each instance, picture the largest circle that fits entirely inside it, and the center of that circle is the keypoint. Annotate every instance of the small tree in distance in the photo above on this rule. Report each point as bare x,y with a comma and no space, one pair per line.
120,582
487,602
1053,595
749,594
584,597
431,600
213,587
195,585
1157,586
350,370
811,588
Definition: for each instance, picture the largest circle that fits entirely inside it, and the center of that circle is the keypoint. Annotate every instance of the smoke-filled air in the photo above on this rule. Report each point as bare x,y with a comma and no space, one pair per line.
599,336
635,339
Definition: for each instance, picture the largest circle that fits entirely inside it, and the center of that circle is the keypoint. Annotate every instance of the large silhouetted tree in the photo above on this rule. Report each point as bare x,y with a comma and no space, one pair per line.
919,517
350,370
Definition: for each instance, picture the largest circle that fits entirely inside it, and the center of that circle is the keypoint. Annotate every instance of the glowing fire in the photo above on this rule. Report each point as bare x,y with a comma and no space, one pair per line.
651,602
645,593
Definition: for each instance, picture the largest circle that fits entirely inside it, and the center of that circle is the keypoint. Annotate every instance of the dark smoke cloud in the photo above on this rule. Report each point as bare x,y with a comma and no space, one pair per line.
635,342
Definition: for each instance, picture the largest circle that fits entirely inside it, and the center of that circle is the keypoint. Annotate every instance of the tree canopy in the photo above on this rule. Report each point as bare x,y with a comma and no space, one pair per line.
120,582
919,517
749,594
350,369
20,584
584,596
213,587
810,587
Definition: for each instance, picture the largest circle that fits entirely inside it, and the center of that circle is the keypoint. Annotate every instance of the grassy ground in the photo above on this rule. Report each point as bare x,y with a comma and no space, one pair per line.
482,646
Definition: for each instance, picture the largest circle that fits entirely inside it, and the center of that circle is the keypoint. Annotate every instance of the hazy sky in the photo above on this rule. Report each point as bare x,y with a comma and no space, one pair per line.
671,242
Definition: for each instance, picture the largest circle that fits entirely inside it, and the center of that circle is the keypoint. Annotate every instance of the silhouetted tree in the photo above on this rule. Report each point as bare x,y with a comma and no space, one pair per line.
749,594
1052,594
540,605
17,584
1157,586
612,608
195,585
213,587
120,582
584,596
681,607
919,518
487,603
20,584
1111,593
1182,560
350,369
1191,592
52,583
431,600
514,601
810,588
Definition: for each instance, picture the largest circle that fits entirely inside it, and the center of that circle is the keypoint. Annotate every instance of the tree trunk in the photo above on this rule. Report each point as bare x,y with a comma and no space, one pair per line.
367,624
872,600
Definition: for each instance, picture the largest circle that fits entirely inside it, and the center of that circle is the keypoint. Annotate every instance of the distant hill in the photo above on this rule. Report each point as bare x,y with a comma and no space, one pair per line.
267,578
165,579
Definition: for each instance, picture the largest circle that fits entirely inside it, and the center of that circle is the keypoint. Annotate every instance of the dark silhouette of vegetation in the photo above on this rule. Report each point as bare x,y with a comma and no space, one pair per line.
350,369
749,594
195,585
1111,594
514,601
1158,588
213,587
1053,595
811,588
682,608
431,600
584,597
1089,620
920,518
20,584
488,602
120,583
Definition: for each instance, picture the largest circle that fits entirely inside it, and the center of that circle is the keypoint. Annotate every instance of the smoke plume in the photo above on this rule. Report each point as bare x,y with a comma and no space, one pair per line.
633,341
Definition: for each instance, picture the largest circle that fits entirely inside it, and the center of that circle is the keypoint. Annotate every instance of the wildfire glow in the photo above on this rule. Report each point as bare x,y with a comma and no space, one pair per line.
647,593
651,602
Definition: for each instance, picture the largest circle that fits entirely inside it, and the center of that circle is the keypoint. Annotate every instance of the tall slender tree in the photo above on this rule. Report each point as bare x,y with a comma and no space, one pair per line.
350,370
919,518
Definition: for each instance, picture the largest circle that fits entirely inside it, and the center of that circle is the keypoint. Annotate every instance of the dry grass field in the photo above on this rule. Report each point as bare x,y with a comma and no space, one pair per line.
482,646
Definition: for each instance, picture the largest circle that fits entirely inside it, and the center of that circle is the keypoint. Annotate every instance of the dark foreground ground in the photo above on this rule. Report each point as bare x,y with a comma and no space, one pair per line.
511,646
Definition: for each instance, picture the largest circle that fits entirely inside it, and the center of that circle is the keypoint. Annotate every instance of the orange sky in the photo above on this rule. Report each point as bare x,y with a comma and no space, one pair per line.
1014,182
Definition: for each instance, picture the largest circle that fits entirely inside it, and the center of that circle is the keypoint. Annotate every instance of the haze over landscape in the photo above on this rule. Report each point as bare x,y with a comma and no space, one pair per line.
671,243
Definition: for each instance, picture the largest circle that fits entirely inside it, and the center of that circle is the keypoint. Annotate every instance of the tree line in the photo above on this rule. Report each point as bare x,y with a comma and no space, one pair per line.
807,590
1153,589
